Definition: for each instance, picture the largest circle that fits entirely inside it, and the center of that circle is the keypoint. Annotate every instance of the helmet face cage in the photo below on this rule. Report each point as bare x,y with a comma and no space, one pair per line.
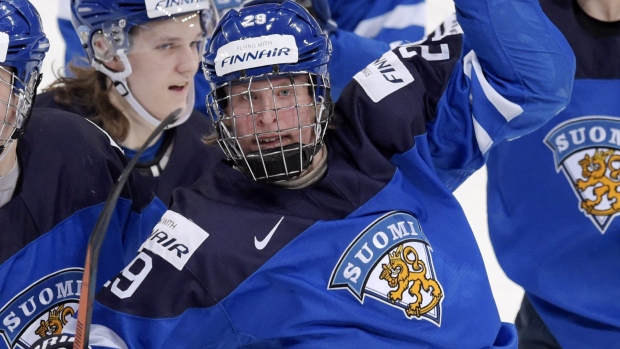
297,123
15,106
267,64
22,47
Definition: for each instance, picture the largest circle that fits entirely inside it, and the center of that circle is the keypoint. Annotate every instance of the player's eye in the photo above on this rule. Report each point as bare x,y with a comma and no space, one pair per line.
197,43
248,95
165,46
286,92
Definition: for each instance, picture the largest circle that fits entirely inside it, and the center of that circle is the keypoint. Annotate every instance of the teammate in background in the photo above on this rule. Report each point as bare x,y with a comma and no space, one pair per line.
360,31
143,64
55,176
344,237
553,199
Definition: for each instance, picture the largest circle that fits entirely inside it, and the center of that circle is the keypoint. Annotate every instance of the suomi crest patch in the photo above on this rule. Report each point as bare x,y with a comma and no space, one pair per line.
391,261
42,309
587,151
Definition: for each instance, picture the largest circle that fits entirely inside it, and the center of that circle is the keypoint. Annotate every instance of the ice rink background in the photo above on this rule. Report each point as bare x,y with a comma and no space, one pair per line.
472,194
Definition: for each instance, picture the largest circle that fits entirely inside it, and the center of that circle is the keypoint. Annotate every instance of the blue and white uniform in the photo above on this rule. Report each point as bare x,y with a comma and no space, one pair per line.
553,201
235,262
68,168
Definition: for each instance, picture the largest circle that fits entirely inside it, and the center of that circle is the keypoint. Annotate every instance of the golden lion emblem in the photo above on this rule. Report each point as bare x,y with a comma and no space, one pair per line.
56,321
397,274
594,169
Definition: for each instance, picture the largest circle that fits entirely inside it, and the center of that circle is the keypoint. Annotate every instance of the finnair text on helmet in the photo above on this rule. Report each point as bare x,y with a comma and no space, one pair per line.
163,4
256,52
256,55
251,46
161,8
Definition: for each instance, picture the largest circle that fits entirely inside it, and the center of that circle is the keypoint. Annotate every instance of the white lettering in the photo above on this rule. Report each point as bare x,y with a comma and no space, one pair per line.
50,296
65,291
561,142
24,307
597,134
380,244
352,272
578,136
615,136
401,231
11,321
360,254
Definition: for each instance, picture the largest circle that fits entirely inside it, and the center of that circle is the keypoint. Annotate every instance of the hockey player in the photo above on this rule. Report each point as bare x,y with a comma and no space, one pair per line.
553,199
143,64
346,236
55,176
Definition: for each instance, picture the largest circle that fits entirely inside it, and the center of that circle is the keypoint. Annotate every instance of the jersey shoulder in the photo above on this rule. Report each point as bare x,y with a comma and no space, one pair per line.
70,162
48,100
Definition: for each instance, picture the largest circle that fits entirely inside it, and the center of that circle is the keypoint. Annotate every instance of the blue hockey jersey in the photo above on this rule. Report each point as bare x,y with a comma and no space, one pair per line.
378,253
553,200
68,168
183,154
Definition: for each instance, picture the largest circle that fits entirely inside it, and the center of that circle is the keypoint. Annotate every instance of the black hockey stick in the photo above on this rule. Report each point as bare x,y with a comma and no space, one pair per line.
89,278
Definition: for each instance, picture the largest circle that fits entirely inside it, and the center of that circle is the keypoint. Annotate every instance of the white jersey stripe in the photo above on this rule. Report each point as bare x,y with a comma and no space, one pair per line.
400,17
508,109
482,137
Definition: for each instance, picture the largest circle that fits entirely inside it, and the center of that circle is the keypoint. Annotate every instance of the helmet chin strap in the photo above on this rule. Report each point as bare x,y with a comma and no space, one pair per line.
119,79
281,163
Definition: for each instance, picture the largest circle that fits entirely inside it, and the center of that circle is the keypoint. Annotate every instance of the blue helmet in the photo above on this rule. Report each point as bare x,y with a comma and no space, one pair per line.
27,44
288,18
269,48
113,21
115,18
22,49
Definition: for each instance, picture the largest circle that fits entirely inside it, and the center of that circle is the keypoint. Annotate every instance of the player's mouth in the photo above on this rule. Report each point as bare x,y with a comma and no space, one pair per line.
179,88
272,141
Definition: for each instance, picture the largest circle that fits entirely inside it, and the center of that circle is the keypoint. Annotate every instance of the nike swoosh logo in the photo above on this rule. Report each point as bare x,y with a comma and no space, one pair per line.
262,244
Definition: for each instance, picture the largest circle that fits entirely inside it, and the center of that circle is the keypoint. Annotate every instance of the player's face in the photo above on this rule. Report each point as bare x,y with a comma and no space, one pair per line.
272,113
164,57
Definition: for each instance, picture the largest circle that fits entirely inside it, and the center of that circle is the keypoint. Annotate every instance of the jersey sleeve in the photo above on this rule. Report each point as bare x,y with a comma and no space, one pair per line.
366,30
457,94
127,305
516,73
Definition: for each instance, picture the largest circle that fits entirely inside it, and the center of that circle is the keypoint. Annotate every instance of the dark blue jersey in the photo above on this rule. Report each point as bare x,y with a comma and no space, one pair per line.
181,160
376,254
553,198
68,168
